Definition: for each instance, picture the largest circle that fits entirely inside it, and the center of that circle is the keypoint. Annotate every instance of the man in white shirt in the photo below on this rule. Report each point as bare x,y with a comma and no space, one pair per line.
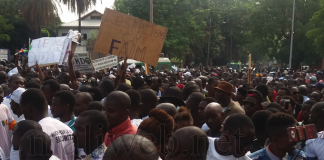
188,143
62,107
7,124
34,106
235,141
14,103
315,147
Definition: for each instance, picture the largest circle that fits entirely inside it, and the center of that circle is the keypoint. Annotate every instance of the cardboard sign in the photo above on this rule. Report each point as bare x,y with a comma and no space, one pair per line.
82,63
121,35
4,54
47,50
105,62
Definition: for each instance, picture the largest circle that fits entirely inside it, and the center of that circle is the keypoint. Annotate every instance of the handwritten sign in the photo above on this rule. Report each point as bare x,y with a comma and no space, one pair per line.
82,63
47,50
121,35
105,62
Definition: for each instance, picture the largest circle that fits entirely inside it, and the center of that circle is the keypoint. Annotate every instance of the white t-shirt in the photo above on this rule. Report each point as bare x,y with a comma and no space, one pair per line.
6,101
136,122
213,155
204,127
315,147
14,154
61,137
5,136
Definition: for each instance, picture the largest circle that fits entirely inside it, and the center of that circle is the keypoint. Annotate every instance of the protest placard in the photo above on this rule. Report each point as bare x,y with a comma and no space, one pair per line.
121,34
105,62
82,63
47,50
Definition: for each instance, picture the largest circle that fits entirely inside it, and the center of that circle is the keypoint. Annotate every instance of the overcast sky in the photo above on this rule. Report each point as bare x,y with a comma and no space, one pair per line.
67,16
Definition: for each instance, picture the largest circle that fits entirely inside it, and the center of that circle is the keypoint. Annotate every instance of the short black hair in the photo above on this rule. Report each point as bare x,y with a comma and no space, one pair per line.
188,89
138,82
149,97
35,98
209,100
66,97
169,108
95,93
135,98
263,89
23,126
84,88
310,102
212,80
276,106
36,142
123,87
53,84
259,120
286,89
242,91
278,123
121,99
236,122
108,85
48,78
32,84
97,119
96,105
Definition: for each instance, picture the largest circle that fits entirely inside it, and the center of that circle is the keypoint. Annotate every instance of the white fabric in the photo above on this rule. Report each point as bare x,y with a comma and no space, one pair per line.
61,137
2,154
136,122
21,118
213,155
146,117
17,94
5,120
6,101
14,154
12,72
49,111
52,158
315,147
204,127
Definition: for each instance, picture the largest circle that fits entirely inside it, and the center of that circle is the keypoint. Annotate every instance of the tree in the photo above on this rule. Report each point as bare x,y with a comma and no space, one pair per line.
317,34
5,28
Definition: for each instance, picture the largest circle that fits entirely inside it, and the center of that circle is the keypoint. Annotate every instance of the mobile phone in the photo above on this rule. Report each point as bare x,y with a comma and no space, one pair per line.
287,102
310,131
300,133
292,134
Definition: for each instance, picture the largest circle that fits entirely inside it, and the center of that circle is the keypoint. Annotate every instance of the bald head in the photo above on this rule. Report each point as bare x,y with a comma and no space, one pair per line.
168,108
84,88
213,107
63,78
302,90
120,100
64,87
134,147
85,96
190,139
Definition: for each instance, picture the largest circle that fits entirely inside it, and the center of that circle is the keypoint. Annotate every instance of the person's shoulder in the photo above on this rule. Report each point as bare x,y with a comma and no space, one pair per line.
52,122
259,155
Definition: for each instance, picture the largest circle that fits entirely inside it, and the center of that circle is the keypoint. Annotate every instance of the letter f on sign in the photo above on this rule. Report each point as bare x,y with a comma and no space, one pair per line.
112,45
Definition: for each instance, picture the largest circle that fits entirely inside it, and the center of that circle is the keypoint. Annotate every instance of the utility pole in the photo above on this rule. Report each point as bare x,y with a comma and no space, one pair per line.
231,44
147,70
79,3
292,35
208,43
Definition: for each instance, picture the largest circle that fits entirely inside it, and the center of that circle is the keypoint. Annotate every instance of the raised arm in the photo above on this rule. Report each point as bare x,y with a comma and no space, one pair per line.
73,79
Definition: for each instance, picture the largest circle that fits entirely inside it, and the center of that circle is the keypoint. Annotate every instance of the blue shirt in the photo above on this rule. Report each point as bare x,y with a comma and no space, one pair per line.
265,154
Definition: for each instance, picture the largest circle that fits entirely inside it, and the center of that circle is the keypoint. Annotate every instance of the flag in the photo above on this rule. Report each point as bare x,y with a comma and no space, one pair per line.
4,123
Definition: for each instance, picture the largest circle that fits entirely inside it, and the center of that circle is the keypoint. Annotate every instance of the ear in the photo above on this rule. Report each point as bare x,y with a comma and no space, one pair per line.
140,107
127,112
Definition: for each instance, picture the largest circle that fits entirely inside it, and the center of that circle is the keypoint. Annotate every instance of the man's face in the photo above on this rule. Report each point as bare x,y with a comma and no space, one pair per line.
82,135
213,119
25,109
16,83
155,84
242,142
57,108
315,96
294,92
201,109
211,87
48,93
284,144
280,94
220,95
14,107
80,106
305,111
114,115
61,79
250,106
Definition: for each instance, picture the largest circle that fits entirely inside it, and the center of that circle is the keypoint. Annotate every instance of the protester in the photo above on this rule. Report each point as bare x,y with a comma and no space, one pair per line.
7,125
34,107
214,118
14,104
212,83
117,105
201,108
140,148
95,106
149,101
82,100
252,102
316,96
183,118
193,106
188,143
235,141
168,108
62,107
49,88
90,129
303,117
224,90
135,108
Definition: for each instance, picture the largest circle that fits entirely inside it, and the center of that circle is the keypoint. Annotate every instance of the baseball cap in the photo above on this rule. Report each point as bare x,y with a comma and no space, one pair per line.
17,94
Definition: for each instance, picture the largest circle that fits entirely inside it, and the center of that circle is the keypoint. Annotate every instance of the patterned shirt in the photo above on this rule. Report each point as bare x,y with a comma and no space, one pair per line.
97,154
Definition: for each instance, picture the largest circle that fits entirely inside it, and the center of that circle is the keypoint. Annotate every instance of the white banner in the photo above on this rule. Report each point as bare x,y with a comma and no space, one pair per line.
47,50
105,62
82,63
4,54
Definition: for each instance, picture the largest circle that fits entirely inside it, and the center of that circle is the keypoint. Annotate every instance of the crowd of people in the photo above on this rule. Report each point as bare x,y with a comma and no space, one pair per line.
54,112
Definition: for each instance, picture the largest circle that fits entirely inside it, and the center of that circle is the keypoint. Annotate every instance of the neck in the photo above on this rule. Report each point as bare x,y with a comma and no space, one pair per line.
66,117
215,132
225,103
93,146
40,116
133,115
222,147
18,112
277,152
320,126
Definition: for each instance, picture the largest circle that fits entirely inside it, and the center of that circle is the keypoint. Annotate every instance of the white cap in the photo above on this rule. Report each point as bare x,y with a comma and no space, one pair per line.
17,94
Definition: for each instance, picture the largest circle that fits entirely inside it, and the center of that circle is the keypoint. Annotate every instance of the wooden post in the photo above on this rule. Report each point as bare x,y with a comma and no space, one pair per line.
147,69
250,70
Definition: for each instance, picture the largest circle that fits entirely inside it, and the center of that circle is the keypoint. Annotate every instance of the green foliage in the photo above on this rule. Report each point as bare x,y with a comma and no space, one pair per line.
5,30
45,33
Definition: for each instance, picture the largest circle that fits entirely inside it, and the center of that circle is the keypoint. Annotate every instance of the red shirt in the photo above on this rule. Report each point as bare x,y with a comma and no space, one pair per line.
124,128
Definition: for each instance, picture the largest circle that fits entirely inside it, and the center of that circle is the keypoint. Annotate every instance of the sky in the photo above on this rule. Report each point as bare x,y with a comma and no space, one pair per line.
67,16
